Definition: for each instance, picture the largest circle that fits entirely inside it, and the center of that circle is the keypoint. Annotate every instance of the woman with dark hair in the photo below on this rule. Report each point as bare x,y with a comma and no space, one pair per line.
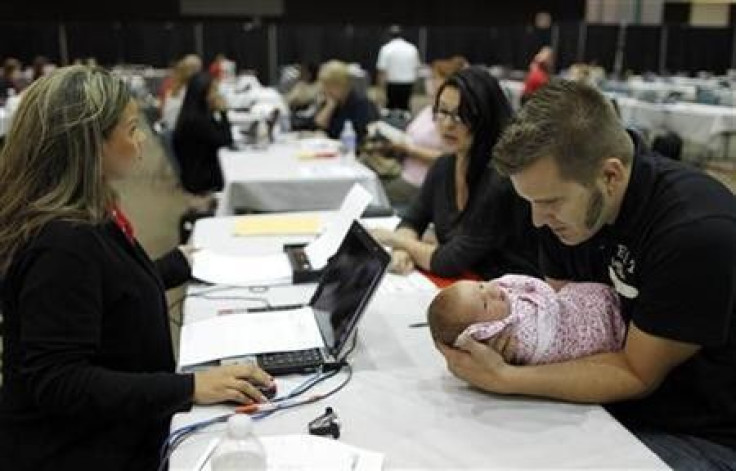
201,130
480,224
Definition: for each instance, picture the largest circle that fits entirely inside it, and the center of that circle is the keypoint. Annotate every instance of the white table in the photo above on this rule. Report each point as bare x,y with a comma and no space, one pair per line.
658,90
707,125
513,89
402,401
276,179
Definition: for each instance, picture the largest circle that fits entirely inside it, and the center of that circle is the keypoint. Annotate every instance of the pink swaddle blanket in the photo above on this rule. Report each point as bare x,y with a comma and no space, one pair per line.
580,320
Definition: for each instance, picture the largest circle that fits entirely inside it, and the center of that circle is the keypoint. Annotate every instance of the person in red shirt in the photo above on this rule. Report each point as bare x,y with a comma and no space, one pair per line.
539,72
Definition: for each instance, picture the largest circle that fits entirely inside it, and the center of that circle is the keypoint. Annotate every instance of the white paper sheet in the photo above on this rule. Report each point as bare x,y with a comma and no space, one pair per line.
324,246
329,171
411,283
309,453
389,222
236,270
247,334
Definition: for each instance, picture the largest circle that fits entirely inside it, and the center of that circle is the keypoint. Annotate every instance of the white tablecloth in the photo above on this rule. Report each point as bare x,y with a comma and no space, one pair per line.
276,179
707,125
402,401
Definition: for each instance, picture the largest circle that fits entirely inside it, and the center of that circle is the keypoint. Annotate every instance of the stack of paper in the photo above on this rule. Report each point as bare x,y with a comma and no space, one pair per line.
314,147
273,269
248,334
322,248
235,270
309,453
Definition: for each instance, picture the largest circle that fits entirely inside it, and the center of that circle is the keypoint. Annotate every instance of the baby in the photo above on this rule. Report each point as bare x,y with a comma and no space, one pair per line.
580,320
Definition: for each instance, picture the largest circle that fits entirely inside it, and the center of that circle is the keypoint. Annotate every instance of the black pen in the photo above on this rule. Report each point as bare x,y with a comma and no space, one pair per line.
419,324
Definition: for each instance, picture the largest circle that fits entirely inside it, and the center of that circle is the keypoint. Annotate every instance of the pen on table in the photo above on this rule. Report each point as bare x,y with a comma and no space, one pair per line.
284,307
274,406
241,310
419,324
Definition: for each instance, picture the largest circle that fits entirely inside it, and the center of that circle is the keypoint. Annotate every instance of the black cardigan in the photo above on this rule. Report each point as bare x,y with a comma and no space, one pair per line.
197,140
492,237
88,365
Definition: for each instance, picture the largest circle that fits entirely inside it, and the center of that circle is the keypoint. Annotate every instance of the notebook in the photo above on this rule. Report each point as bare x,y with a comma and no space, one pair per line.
343,293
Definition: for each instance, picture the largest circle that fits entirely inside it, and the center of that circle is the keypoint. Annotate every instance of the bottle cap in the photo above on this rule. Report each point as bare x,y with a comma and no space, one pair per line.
239,426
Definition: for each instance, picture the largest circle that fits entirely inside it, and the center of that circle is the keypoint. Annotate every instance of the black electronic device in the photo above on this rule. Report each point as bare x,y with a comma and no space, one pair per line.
301,269
345,288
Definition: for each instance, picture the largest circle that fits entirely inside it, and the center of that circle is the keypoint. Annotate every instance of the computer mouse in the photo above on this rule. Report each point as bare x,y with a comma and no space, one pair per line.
268,391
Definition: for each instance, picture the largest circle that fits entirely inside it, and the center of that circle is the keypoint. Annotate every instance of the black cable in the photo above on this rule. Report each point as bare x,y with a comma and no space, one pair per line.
204,294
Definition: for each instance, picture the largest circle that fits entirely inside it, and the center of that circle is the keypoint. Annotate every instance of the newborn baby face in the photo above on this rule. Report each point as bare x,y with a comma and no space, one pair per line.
482,301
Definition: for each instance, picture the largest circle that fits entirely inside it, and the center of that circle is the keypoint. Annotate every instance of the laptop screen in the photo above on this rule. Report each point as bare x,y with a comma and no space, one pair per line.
347,285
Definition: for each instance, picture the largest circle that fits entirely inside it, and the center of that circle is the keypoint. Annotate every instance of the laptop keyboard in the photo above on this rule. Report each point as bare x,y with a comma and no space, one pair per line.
298,361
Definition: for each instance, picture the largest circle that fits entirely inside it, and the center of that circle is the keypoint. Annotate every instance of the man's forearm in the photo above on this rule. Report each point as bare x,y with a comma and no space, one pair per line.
601,378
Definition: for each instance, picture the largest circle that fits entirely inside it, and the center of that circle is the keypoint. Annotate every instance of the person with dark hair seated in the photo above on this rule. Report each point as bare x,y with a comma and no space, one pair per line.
480,224
201,130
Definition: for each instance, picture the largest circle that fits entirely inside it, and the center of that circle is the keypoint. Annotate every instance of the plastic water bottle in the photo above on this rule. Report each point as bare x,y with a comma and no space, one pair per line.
240,449
348,140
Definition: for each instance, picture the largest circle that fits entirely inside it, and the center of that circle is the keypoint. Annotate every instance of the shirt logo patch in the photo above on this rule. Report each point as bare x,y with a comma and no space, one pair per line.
627,291
621,270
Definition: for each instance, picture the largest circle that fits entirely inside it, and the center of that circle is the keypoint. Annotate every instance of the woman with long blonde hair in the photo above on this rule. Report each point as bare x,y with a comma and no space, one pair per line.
88,369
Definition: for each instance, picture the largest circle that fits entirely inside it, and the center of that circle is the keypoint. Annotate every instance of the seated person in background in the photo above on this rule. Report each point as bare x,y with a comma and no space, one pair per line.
543,325
172,95
480,223
10,82
201,130
342,102
540,70
305,91
423,144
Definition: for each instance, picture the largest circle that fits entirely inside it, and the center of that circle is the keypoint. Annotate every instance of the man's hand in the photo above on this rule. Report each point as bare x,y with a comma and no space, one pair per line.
230,383
505,345
401,262
478,364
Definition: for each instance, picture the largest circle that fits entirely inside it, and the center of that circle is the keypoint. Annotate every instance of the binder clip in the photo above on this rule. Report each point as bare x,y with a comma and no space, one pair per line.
326,424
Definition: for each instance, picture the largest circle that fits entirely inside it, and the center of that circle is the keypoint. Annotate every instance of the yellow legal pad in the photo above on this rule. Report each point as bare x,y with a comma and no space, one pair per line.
278,225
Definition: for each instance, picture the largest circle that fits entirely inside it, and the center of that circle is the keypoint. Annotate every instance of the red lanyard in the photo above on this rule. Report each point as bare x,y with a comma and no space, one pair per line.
123,223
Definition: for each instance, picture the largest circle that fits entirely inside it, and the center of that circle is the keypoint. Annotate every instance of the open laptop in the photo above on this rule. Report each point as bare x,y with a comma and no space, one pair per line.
345,288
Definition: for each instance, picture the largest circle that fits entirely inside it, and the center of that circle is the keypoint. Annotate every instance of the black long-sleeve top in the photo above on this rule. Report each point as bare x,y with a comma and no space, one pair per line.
196,142
88,365
493,236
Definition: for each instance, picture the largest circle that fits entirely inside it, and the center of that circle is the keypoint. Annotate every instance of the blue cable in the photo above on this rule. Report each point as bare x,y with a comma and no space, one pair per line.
177,436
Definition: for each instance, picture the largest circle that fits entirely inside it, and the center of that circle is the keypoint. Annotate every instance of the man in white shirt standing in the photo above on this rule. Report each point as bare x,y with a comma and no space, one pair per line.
398,65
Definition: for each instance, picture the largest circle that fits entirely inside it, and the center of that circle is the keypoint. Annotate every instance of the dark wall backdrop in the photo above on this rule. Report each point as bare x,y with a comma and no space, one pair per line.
417,12
153,32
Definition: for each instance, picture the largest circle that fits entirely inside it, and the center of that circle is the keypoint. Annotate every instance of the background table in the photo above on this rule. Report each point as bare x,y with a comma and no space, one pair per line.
277,179
708,125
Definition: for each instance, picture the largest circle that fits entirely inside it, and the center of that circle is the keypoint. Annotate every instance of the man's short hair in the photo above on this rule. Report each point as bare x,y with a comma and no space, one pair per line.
569,121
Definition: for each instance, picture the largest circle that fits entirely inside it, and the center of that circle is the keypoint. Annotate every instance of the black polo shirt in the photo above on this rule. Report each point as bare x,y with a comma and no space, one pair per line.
671,255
